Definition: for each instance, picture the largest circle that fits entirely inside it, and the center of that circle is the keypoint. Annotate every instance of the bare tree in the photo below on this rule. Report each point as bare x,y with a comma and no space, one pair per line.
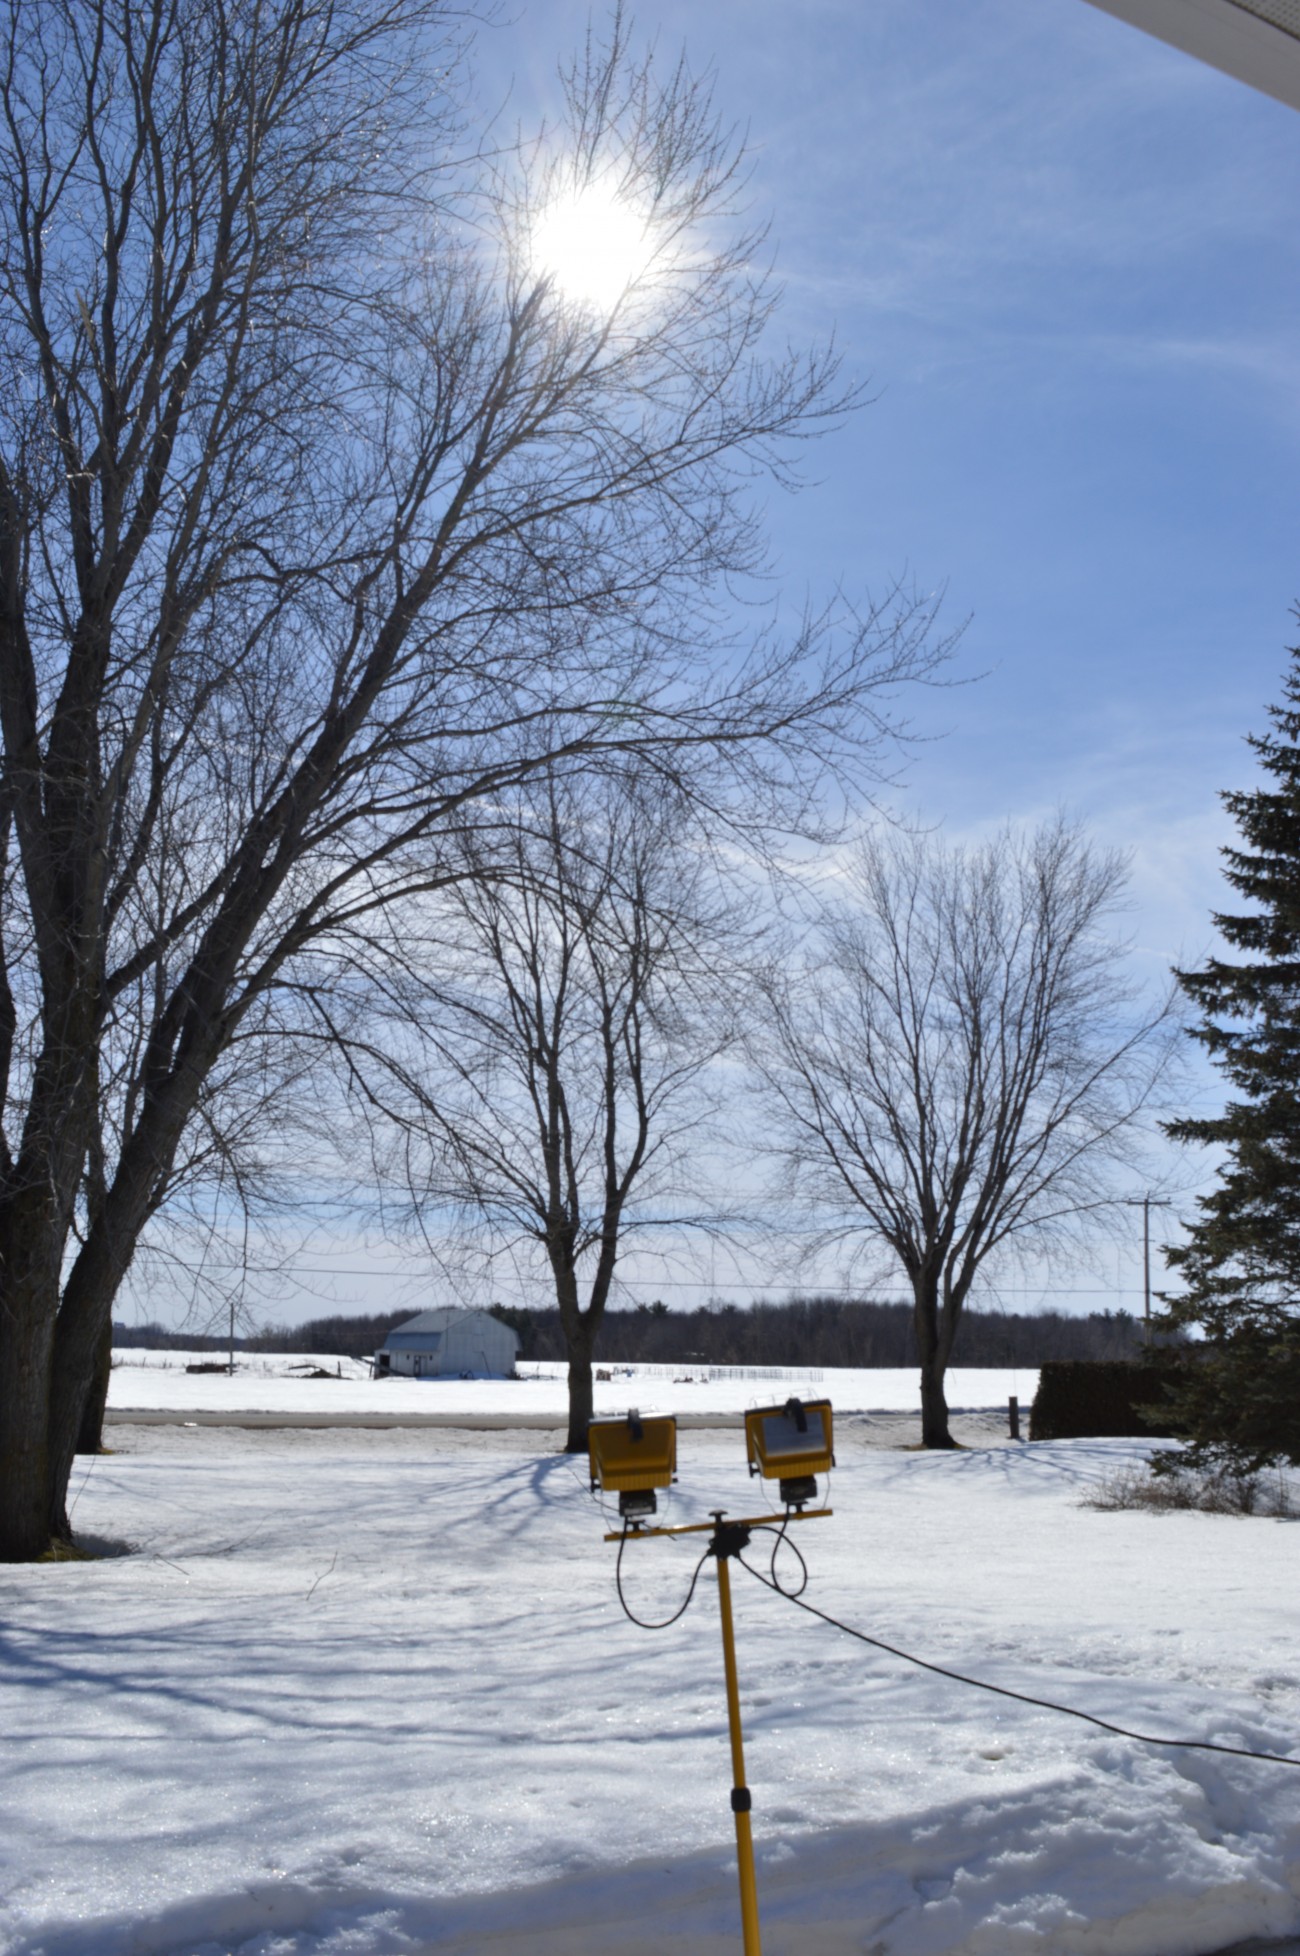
548,1074
964,1066
325,515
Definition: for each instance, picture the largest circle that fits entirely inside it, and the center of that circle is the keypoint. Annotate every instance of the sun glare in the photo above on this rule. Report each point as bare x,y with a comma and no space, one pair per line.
593,245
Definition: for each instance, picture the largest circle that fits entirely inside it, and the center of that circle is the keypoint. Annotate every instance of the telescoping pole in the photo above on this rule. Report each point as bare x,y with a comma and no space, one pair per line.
740,1800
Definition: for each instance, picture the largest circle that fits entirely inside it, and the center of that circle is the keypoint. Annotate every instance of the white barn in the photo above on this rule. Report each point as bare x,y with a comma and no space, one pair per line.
448,1343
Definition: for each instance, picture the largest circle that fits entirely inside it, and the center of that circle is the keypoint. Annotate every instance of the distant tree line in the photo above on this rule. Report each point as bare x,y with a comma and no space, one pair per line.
816,1331
345,1335
827,1331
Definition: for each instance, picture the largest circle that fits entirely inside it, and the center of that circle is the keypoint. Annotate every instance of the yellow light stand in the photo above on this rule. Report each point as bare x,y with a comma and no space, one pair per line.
789,1443
631,1457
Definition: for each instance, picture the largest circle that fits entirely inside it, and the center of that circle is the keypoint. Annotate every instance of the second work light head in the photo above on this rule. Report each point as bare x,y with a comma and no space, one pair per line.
792,1444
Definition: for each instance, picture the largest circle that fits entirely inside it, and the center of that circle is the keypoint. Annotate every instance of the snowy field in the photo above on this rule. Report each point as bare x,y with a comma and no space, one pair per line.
147,1381
359,1693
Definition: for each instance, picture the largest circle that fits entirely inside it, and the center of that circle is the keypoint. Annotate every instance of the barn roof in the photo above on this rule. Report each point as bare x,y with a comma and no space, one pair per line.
442,1317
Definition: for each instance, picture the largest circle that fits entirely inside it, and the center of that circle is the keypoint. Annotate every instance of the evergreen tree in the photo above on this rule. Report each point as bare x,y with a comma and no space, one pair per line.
1240,1406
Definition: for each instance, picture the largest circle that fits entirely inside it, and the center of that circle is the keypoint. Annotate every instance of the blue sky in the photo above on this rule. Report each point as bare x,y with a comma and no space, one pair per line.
1063,257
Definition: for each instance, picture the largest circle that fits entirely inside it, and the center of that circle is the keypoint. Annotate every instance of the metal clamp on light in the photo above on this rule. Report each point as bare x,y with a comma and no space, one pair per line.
632,1457
791,1444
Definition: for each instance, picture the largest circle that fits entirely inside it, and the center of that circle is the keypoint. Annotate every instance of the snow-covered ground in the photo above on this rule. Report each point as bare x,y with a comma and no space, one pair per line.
356,1693
148,1381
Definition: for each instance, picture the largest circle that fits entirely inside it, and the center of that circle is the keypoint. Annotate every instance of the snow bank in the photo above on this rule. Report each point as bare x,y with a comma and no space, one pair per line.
265,1383
360,1693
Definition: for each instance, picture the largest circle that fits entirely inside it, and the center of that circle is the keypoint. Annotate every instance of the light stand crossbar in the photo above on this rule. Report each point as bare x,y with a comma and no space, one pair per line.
636,1533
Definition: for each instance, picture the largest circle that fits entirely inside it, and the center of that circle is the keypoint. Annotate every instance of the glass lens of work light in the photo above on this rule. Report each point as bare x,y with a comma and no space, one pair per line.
791,1439
782,1437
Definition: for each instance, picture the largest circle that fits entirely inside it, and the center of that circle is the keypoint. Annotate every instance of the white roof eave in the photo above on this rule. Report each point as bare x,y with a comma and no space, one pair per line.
1239,40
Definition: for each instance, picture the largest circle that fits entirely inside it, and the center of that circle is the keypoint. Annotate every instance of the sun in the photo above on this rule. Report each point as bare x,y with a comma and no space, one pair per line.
593,244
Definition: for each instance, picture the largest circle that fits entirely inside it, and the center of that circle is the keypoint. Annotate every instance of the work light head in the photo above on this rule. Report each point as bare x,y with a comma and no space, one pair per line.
632,1457
791,1444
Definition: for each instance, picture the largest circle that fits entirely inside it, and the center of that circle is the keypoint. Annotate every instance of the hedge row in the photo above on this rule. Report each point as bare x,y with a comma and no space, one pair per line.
1083,1398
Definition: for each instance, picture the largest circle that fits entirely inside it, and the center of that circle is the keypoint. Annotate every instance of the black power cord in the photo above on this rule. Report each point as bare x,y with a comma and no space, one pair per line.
732,1540
784,1540
640,1622
795,1596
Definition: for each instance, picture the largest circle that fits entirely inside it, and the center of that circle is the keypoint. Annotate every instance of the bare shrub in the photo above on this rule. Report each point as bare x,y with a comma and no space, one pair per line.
1221,1493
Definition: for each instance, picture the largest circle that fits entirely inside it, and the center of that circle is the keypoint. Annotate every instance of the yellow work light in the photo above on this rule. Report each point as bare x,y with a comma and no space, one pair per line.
791,1443
632,1457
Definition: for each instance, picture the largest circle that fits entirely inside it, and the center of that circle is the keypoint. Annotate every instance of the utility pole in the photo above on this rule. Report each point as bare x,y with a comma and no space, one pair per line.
1146,1203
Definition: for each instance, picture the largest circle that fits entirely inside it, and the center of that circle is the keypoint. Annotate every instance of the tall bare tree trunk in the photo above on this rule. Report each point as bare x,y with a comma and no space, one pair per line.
56,1332
581,1396
580,1332
29,1508
934,1335
90,1433
934,1409
25,1525
53,1385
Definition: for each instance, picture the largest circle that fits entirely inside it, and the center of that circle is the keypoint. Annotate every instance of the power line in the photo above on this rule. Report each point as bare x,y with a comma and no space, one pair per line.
655,1283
